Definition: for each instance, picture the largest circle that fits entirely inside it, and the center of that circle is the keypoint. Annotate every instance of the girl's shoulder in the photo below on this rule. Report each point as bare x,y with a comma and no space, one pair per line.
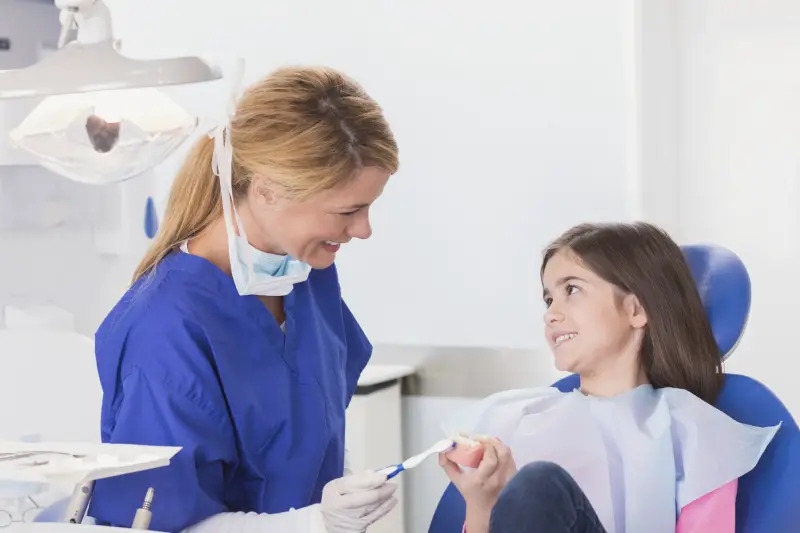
711,448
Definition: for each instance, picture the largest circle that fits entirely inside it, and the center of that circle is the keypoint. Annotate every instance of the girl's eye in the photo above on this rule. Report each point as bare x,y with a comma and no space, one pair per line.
572,289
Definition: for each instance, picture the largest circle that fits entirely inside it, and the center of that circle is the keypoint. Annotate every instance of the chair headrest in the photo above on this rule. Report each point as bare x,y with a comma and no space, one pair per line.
724,287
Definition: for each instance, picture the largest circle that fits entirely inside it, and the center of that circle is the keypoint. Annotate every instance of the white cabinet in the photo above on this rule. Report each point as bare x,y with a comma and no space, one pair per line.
374,436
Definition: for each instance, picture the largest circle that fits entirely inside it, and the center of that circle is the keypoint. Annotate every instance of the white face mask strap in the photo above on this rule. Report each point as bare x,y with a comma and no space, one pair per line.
222,158
221,164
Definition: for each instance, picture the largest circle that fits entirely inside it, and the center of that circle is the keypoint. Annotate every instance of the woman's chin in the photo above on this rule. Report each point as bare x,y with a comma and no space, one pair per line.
320,261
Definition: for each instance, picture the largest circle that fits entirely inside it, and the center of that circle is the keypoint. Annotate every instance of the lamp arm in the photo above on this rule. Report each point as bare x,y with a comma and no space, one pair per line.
92,18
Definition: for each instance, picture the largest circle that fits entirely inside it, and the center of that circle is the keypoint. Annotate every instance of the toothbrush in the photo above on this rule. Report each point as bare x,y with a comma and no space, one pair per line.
412,462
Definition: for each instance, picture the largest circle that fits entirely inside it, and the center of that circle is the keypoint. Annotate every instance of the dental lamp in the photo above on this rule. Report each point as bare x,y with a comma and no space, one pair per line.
102,119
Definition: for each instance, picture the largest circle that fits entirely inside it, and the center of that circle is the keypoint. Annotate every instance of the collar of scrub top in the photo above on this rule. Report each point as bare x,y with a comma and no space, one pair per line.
185,249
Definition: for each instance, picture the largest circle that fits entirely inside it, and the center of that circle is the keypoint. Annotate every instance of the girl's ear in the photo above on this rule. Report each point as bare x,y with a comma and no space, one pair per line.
637,317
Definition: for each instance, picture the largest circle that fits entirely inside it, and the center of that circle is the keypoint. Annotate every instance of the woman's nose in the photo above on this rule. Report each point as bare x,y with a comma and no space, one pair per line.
361,228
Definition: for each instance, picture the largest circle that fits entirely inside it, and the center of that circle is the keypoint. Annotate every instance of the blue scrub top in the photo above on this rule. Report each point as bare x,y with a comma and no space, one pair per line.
184,360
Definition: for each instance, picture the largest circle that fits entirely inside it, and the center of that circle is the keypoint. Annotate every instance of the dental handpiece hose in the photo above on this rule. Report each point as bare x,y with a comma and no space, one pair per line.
143,515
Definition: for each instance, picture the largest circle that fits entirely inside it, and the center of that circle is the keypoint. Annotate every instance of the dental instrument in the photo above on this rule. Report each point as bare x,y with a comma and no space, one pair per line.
25,455
143,514
412,462
79,503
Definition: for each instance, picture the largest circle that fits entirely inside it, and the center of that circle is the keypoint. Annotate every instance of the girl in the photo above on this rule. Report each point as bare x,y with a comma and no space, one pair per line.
639,447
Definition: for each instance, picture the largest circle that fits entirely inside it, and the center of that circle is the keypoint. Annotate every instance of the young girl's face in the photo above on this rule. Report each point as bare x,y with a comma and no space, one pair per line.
589,323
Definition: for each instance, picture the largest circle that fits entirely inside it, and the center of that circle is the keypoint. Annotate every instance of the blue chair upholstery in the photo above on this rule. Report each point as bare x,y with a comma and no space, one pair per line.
724,286
768,498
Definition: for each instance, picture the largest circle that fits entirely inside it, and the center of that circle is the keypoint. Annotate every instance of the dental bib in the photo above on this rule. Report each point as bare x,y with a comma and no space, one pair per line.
639,457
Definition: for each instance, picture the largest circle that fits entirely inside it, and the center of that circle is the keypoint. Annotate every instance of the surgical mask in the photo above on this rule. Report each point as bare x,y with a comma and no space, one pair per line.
105,137
254,272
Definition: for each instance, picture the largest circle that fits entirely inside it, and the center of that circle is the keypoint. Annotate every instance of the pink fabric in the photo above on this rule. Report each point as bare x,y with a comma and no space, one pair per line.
713,513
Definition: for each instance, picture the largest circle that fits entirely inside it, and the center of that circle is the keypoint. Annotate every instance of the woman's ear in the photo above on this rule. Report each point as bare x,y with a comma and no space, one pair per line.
637,317
263,191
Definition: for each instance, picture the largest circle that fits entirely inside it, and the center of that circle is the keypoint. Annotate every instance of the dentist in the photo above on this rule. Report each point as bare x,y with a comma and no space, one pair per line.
234,341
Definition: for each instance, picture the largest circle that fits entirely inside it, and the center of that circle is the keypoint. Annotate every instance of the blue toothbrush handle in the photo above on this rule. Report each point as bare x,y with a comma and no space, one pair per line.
392,471
400,468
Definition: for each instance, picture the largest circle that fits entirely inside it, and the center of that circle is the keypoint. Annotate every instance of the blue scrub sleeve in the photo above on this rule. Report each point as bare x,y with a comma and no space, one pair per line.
189,489
359,350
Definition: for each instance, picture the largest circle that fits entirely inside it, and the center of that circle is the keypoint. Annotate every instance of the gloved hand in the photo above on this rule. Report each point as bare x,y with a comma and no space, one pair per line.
351,503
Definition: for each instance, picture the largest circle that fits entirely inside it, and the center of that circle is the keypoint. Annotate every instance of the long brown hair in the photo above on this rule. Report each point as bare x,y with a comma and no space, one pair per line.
678,349
308,129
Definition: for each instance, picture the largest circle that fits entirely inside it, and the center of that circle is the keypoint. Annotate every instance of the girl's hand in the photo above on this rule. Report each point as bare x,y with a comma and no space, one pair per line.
481,487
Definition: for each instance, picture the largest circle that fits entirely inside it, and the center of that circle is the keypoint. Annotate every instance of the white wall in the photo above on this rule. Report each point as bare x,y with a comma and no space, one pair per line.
50,230
509,132
739,154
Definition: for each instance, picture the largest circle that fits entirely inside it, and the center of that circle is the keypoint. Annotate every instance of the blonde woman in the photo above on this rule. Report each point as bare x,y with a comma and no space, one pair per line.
233,341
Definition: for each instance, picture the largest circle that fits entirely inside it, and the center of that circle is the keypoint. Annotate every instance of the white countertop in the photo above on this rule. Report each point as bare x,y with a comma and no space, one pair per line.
377,374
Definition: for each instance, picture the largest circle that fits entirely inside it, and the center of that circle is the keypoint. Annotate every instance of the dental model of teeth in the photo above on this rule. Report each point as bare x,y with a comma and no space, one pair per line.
468,451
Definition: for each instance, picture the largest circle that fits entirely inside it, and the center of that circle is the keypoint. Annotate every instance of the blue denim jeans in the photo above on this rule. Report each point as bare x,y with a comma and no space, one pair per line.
543,498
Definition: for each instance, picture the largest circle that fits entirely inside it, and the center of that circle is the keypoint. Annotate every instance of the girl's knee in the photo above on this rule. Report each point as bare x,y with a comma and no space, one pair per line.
537,493
542,473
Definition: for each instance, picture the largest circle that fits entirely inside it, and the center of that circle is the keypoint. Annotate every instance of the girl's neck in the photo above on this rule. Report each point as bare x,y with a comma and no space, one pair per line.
625,375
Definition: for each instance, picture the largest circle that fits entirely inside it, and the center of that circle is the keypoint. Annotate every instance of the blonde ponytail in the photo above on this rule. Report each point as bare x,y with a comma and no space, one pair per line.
194,202
308,129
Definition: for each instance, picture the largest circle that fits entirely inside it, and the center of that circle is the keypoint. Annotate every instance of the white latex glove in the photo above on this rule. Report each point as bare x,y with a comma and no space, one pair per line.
352,503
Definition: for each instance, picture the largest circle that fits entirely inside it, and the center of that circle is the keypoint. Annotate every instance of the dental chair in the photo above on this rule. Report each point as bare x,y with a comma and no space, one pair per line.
768,498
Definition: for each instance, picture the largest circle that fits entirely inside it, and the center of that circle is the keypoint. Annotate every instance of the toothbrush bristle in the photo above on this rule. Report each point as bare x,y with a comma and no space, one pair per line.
445,445
441,446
